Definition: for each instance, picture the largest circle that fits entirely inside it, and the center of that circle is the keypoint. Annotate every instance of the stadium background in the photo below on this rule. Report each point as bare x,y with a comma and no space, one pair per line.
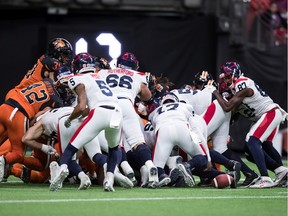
176,42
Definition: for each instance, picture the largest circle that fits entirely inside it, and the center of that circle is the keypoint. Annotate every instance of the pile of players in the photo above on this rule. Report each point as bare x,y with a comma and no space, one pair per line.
75,119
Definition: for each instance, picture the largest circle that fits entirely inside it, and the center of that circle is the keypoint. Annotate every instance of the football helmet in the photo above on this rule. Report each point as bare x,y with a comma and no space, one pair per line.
101,63
160,90
61,77
230,68
201,79
169,97
61,49
83,60
128,61
225,91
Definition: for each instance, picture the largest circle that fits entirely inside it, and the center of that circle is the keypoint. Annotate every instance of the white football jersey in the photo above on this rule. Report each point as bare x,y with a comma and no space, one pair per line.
170,113
97,90
200,100
255,106
51,118
124,82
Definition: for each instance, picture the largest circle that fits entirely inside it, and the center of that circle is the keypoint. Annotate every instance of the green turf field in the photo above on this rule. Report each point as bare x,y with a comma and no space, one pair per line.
17,198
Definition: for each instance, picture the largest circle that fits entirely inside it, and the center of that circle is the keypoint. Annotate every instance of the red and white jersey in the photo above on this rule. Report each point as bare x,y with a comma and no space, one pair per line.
259,103
260,108
124,82
200,100
97,90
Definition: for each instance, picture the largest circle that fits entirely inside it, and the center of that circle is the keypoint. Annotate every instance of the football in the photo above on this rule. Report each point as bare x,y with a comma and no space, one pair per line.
222,181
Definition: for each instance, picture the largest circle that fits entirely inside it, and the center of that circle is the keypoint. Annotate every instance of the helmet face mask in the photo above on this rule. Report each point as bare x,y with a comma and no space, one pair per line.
225,91
61,77
60,49
128,61
66,94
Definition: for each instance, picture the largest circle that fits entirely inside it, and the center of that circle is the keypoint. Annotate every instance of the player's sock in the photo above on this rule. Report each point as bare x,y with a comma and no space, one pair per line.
143,153
74,168
100,159
272,152
270,162
254,146
123,153
67,154
218,158
114,156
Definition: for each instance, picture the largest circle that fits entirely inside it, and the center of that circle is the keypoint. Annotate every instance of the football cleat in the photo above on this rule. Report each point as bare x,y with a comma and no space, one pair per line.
152,184
186,172
2,167
164,180
174,175
85,183
263,182
153,178
235,175
281,176
107,186
250,179
59,178
122,180
235,166
132,178
25,174
7,171
109,182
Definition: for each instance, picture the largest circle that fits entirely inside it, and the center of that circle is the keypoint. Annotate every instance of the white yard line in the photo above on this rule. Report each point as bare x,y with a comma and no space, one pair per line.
141,199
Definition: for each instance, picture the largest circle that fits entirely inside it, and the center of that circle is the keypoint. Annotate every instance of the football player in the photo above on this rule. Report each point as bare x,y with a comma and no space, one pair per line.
96,101
59,53
176,124
127,83
266,115
18,110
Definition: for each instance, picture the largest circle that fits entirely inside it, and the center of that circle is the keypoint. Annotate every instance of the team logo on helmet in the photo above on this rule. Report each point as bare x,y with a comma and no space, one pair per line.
59,43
